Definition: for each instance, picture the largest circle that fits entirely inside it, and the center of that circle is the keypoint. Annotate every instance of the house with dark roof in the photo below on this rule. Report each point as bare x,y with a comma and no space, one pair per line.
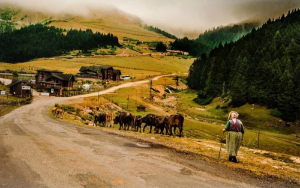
63,80
117,75
20,88
54,81
44,74
99,72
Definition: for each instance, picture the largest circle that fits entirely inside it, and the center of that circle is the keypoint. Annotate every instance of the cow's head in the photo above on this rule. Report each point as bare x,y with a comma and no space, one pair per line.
117,120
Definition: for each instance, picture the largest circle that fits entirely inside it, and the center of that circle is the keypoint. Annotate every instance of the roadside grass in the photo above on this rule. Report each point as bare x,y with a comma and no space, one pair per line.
207,125
276,150
202,142
5,109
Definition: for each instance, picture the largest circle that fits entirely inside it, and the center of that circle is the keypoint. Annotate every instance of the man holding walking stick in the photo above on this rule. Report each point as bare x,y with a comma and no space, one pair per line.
235,135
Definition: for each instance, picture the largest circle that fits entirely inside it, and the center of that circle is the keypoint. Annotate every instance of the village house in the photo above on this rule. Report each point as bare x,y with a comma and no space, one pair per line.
44,74
20,88
54,81
99,72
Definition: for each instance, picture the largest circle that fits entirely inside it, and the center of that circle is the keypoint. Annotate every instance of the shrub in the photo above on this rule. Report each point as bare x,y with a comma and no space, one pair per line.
276,113
203,101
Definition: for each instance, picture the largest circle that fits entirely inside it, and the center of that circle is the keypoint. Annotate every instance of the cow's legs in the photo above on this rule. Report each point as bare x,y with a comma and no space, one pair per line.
144,127
180,133
170,129
150,128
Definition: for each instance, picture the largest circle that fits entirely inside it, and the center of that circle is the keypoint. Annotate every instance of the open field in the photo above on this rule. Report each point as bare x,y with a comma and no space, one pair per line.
126,64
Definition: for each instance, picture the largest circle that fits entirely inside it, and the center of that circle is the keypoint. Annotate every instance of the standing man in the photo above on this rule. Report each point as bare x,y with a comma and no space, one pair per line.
235,135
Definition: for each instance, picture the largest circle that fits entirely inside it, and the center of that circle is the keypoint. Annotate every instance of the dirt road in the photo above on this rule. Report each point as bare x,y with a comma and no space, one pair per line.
39,151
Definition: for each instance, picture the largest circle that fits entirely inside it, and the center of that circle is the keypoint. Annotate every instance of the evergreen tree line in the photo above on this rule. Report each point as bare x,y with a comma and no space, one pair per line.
161,47
213,38
159,31
38,40
262,67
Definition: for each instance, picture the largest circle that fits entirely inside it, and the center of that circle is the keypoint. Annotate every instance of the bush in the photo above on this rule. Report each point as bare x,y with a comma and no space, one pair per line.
203,101
68,109
218,107
276,113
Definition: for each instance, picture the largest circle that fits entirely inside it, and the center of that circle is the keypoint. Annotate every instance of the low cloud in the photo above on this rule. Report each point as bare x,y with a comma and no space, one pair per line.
171,15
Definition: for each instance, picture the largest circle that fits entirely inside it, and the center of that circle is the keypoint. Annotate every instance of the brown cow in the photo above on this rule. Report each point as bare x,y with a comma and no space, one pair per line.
60,113
109,119
125,118
175,120
54,111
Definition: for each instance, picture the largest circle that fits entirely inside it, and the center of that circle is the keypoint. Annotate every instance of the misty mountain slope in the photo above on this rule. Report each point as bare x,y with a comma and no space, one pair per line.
213,37
114,21
263,67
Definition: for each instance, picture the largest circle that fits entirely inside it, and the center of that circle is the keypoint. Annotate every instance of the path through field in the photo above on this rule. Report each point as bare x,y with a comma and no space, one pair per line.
39,151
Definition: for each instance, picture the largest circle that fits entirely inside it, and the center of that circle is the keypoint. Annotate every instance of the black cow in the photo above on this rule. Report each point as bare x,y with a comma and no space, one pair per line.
138,123
125,118
161,123
100,118
175,120
149,120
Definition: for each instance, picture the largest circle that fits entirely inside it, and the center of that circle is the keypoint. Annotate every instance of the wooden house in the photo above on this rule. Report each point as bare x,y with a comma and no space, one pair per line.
116,75
20,88
98,72
44,74
63,80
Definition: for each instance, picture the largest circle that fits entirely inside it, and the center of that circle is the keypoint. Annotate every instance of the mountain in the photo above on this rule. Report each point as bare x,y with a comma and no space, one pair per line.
213,38
262,67
113,21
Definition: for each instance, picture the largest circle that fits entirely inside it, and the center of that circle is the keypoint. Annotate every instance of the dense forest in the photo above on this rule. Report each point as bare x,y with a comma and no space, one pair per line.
159,31
262,67
38,40
213,38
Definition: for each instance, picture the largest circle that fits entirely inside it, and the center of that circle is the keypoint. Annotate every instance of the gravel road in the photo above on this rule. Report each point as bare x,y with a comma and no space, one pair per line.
39,151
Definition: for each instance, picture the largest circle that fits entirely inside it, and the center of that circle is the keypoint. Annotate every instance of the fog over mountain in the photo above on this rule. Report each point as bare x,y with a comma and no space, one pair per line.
177,16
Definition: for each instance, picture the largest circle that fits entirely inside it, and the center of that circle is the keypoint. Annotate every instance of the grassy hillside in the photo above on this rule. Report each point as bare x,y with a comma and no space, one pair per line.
116,22
146,63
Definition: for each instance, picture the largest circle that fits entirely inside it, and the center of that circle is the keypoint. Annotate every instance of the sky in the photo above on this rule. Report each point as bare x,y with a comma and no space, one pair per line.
186,15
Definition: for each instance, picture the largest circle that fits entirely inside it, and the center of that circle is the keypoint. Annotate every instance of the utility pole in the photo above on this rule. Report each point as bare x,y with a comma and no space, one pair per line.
127,102
150,86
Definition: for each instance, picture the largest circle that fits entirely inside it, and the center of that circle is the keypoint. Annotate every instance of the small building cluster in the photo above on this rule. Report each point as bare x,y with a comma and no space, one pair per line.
53,81
99,72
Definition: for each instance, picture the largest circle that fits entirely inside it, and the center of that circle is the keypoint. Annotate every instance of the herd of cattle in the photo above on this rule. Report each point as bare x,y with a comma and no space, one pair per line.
127,120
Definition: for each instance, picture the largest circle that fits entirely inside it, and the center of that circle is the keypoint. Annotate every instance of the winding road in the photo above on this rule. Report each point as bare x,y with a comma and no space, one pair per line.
39,151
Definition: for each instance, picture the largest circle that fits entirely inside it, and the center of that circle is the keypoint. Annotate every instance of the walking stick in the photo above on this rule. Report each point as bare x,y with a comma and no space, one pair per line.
221,146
